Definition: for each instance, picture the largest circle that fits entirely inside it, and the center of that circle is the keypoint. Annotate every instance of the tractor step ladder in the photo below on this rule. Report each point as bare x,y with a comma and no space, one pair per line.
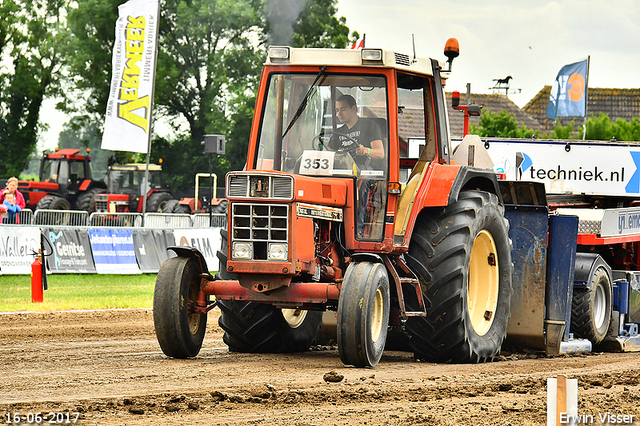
409,279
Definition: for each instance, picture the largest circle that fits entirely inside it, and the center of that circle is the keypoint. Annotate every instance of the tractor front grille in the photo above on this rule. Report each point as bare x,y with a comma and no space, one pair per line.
102,203
240,185
259,225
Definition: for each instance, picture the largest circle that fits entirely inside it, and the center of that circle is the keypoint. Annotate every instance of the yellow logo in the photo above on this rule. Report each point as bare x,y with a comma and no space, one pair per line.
135,110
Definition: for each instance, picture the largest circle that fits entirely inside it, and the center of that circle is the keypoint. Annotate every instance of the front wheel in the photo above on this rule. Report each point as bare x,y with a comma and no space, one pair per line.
363,314
462,256
180,330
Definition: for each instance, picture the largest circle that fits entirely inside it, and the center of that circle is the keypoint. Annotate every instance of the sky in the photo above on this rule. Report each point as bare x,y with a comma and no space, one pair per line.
527,40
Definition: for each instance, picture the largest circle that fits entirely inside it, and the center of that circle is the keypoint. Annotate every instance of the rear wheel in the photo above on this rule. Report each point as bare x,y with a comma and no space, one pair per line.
258,327
261,328
181,209
87,201
591,308
157,201
180,330
363,314
462,256
168,206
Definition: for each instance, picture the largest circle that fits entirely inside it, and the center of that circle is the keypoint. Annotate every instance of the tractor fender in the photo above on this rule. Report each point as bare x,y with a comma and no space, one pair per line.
371,257
90,184
191,252
443,184
586,265
473,178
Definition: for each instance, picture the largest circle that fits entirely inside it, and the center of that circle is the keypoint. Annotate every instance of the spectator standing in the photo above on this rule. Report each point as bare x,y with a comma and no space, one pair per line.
12,209
12,187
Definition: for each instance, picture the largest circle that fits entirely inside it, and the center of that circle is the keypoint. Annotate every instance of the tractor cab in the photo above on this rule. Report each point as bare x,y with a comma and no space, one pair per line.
346,123
66,168
126,188
129,178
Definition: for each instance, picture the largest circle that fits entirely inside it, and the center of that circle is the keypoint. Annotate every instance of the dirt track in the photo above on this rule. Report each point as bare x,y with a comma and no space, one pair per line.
107,366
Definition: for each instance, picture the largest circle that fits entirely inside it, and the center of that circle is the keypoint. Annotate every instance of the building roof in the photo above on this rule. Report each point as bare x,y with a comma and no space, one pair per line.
616,103
490,102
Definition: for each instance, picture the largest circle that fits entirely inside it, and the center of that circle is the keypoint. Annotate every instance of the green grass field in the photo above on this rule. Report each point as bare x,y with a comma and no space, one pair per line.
78,291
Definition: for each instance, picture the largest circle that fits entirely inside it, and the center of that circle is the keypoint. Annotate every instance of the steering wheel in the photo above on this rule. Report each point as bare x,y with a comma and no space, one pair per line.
350,150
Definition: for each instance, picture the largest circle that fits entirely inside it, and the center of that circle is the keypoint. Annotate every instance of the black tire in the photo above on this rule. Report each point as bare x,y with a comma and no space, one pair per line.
444,255
221,208
53,202
168,206
181,209
260,328
179,330
591,308
87,200
156,203
363,314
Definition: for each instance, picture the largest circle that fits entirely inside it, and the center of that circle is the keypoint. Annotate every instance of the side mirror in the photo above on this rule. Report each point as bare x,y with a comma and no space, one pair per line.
214,144
474,110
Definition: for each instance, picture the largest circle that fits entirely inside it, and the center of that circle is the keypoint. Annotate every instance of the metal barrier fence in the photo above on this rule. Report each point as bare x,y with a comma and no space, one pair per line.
60,218
136,220
161,220
24,216
201,220
116,219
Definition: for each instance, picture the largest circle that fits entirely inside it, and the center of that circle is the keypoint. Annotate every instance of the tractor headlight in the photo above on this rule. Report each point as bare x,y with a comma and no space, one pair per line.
279,52
278,251
242,250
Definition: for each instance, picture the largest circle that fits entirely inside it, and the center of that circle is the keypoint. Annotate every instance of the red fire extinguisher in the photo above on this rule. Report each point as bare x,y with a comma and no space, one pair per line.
36,279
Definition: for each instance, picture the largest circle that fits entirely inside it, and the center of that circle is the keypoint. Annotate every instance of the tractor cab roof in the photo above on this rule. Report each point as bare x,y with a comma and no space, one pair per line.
69,153
284,55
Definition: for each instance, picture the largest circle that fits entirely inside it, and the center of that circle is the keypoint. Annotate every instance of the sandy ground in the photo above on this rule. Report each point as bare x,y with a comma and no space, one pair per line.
107,366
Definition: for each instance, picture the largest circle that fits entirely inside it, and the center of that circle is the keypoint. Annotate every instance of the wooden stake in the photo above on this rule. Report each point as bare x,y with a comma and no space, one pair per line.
561,399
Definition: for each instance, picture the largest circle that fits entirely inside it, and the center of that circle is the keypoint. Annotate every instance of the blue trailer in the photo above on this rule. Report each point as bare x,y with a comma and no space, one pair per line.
577,180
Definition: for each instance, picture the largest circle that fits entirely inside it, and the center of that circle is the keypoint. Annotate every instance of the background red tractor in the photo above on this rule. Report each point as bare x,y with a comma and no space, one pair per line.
126,186
65,182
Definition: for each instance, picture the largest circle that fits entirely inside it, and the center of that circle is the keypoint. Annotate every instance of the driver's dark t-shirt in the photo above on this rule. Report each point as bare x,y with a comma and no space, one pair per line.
364,132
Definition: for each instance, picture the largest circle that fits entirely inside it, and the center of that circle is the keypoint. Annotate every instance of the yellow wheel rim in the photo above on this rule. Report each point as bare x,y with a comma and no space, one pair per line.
377,316
484,283
194,318
294,317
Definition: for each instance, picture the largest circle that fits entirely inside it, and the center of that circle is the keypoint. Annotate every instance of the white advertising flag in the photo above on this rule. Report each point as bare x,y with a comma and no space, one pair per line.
128,117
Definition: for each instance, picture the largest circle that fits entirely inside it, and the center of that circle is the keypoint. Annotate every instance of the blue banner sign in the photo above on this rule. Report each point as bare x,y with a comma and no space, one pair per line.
113,251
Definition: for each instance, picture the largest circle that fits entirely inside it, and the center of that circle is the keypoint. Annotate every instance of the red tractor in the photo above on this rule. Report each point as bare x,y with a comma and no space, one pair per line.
194,205
332,214
126,186
65,182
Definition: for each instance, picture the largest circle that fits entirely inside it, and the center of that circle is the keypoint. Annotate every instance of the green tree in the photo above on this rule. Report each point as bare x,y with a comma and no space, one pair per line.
599,128
501,125
627,130
210,55
83,132
32,34
563,132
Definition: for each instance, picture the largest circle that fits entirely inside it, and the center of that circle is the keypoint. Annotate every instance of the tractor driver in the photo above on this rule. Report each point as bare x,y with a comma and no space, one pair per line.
369,155
365,133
